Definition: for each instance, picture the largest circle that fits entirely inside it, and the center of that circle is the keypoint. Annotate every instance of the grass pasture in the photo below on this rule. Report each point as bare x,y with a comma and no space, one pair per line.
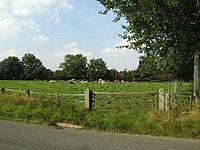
45,110
62,89
65,87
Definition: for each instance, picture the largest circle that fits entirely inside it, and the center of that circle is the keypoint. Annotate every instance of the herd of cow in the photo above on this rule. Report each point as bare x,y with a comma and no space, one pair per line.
101,81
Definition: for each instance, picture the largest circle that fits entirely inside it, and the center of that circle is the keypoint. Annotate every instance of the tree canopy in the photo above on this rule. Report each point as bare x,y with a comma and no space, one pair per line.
11,68
97,69
32,66
160,28
74,66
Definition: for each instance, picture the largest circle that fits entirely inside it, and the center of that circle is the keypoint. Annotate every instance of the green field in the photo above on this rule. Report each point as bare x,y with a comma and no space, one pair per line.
65,87
48,91
45,109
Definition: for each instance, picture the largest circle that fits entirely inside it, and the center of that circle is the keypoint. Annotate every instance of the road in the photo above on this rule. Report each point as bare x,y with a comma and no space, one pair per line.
21,136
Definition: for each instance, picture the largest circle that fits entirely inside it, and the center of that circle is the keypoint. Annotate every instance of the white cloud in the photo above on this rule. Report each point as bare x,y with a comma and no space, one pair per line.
55,16
7,53
123,43
76,51
30,24
41,38
116,50
71,48
65,5
10,25
120,59
25,8
57,57
18,15
4,5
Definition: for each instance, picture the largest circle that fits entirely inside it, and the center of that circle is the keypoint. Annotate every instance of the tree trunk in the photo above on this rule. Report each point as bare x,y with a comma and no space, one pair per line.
196,90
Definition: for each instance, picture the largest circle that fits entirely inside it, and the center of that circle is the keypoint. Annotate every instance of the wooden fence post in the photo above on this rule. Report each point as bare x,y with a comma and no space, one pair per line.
167,102
3,90
191,99
28,93
196,85
161,99
88,98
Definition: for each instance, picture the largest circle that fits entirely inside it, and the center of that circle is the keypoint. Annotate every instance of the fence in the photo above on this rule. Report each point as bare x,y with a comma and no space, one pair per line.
45,95
137,101
115,101
167,101
120,101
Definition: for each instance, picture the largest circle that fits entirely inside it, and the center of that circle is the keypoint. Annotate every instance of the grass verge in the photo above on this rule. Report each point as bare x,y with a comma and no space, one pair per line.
176,123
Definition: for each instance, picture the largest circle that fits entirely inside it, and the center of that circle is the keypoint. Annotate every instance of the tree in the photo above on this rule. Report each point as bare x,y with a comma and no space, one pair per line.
59,75
127,75
11,68
152,67
32,66
42,74
97,69
74,66
158,28
112,75
48,74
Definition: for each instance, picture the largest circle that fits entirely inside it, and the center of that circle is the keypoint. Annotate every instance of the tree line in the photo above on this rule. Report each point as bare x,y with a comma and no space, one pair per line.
74,67
151,68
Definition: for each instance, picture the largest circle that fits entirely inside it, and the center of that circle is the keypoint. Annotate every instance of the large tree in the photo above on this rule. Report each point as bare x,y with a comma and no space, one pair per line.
32,66
152,68
11,68
74,66
97,69
156,27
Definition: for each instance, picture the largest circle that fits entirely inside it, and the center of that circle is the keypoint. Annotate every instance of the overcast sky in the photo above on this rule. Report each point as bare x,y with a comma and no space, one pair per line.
50,29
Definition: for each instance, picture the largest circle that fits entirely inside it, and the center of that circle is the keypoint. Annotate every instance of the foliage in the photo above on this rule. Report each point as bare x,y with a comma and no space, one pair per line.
164,29
74,66
42,74
29,68
113,75
127,75
158,26
59,75
32,66
152,67
97,69
11,68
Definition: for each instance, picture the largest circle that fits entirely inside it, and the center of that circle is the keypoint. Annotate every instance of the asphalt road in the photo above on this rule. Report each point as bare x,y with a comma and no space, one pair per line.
21,136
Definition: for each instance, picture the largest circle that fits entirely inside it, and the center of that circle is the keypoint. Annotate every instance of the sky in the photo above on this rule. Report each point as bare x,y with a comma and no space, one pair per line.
51,29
